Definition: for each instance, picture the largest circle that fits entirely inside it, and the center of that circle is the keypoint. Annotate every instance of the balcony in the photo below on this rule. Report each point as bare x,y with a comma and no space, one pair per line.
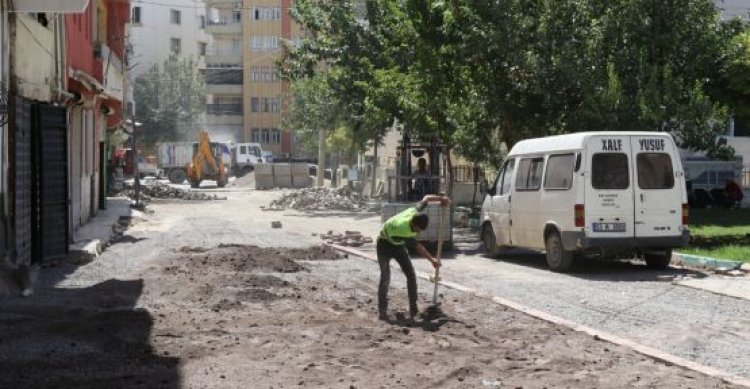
223,76
224,109
213,3
224,89
224,27
223,55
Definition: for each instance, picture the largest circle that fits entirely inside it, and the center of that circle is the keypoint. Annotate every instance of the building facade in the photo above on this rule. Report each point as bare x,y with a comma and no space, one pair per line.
246,99
160,29
62,82
96,77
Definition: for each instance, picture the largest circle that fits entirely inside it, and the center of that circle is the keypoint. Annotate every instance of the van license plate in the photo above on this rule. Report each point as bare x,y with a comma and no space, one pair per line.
609,227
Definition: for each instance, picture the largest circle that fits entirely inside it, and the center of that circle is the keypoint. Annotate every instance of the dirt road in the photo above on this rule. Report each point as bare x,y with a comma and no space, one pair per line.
209,295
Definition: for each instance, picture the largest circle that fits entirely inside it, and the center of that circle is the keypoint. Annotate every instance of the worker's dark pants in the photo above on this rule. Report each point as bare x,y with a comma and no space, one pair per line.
386,251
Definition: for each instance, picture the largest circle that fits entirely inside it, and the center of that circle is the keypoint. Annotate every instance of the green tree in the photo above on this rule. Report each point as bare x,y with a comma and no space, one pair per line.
313,107
734,86
479,74
170,100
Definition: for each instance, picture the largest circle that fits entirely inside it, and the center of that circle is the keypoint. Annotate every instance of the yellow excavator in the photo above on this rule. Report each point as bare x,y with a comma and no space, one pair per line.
208,163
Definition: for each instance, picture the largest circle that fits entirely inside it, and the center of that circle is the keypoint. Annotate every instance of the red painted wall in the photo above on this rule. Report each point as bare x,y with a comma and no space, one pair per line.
78,34
118,14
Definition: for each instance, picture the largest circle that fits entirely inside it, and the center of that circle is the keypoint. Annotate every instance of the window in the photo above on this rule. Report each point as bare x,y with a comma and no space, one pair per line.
508,176
655,171
175,16
275,104
502,182
202,48
175,45
136,17
610,171
559,173
255,135
254,104
266,13
265,135
275,135
202,21
264,43
237,17
529,174
243,150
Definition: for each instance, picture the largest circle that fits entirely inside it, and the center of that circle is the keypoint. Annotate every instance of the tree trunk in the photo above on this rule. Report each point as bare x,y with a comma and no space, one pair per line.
321,158
374,180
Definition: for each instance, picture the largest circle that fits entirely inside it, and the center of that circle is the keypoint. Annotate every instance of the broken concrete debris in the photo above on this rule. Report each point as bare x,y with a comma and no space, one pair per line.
319,199
348,238
164,191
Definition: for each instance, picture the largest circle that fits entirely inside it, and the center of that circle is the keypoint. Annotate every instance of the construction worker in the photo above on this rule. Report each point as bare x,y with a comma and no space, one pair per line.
398,232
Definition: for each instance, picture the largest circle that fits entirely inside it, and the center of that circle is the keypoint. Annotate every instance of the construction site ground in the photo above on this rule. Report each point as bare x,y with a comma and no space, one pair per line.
206,294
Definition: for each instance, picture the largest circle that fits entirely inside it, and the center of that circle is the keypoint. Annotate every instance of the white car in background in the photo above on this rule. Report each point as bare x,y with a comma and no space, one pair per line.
267,156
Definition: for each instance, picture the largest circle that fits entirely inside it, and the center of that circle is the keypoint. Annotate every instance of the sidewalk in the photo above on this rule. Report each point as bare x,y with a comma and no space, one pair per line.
89,239
728,286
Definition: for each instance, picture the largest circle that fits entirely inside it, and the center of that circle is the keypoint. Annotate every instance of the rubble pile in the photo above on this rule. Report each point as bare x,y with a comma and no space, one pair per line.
318,199
164,191
348,238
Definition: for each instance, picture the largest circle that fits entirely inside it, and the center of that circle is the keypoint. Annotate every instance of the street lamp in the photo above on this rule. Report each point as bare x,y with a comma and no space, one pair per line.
136,179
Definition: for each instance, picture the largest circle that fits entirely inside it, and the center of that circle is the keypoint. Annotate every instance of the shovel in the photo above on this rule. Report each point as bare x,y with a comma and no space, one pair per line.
434,311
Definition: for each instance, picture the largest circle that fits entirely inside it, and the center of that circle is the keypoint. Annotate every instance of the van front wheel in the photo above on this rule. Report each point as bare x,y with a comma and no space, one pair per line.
490,242
558,259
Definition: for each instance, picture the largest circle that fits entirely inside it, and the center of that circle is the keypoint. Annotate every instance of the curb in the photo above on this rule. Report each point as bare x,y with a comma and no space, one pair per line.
599,335
712,263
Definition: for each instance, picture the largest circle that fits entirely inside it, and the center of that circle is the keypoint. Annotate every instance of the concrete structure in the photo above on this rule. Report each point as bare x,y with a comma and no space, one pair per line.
733,8
159,29
246,99
96,75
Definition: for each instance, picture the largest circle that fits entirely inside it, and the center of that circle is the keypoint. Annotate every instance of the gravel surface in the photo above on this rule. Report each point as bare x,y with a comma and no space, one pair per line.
165,318
621,298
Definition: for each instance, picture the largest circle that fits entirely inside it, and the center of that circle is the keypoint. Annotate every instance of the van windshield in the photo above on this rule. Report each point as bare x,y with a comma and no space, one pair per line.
610,171
655,171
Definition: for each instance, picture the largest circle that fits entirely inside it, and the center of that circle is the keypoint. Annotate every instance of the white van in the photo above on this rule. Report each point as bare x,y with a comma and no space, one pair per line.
608,193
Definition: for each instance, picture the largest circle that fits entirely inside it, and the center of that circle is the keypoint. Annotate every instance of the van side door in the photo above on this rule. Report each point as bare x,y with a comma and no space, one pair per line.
658,187
525,210
499,204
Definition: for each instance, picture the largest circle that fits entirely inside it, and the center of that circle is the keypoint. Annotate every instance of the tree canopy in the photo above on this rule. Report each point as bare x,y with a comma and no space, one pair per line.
482,74
170,100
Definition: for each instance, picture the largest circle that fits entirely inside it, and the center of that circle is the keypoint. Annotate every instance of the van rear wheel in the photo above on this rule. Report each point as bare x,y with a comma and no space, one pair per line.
658,260
558,259
490,242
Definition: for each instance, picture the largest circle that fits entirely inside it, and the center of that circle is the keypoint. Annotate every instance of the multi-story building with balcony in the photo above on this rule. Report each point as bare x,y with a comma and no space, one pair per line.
245,99
160,29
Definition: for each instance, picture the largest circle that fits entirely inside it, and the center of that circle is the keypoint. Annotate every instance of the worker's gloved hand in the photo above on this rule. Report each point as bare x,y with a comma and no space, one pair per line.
436,263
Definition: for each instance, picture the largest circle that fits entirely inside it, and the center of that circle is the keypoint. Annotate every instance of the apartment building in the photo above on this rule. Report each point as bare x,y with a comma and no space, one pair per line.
246,99
161,28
